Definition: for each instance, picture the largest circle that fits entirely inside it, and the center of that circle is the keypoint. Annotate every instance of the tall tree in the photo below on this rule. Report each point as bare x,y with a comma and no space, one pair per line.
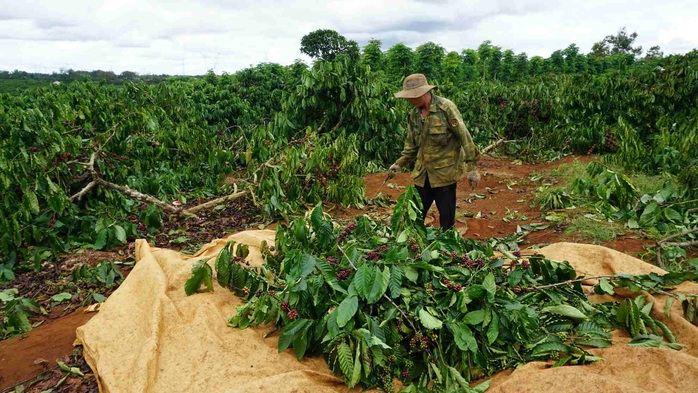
470,65
536,66
556,62
570,54
484,53
326,45
495,62
521,66
399,62
373,56
506,69
621,43
654,52
429,58
452,68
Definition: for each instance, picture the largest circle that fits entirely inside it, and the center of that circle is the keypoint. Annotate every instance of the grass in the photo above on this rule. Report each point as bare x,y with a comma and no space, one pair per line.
596,229
645,184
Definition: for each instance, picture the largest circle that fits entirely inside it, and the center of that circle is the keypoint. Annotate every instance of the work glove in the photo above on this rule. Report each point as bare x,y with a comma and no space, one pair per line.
473,178
394,169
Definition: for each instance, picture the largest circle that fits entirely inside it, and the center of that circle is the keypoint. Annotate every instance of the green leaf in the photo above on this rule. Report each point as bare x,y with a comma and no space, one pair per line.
475,292
8,295
332,327
648,216
672,215
463,337
32,201
429,321
346,364
458,377
201,273
562,361
101,240
395,283
61,297
323,228
290,331
19,321
300,341
550,347
356,370
474,317
379,285
346,310
644,341
307,264
593,342
410,273
316,217
363,274
666,332
402,237
565,310
667,306
634,319
68,369
493,329
490,287
633,224
98,297
223,268
437,372
588,326
606,286
120,233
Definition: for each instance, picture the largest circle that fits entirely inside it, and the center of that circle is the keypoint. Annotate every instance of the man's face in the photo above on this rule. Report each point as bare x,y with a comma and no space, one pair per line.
420,102
415,101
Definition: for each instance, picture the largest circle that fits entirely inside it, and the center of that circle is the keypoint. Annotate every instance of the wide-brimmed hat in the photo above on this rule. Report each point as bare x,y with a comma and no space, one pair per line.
414,86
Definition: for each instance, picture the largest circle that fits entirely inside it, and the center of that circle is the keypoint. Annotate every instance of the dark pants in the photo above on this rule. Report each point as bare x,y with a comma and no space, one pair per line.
445,198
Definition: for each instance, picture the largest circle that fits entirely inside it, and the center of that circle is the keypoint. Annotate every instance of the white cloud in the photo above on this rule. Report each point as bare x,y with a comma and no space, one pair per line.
191,37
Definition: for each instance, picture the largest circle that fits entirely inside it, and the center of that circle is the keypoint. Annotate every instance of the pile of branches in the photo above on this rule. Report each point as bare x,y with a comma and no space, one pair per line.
424,309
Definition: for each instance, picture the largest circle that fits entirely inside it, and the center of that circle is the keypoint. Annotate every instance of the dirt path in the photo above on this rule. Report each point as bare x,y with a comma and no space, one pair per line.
504,200
25,356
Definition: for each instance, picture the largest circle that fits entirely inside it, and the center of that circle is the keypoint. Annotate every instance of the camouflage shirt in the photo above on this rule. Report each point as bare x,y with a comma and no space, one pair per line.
439,145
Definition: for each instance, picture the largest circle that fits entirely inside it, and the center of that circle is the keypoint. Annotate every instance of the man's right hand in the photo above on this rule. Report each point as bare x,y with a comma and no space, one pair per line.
473,178
394,169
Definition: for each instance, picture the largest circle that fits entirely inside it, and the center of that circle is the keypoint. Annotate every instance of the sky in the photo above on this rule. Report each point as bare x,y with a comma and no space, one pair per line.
193,36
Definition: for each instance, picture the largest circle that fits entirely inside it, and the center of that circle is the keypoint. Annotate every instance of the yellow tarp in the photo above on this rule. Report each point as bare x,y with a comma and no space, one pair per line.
150,337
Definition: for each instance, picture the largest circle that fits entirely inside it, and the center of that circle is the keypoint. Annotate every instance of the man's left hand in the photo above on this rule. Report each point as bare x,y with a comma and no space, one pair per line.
473,178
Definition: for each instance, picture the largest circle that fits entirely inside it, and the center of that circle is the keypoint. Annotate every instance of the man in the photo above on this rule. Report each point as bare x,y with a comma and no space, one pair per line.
439,145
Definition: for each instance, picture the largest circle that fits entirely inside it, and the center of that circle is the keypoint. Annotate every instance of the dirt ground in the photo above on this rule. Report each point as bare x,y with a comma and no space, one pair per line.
503,200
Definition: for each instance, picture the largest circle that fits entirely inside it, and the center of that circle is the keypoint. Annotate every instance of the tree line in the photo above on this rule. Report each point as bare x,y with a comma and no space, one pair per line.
486,62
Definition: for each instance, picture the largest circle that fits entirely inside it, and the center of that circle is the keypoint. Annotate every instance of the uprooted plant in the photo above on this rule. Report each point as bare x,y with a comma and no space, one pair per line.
429,309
